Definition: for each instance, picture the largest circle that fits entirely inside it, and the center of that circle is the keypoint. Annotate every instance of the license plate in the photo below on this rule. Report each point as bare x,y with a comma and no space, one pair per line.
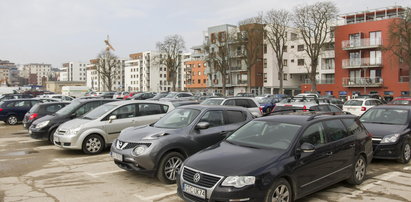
117,156
201,193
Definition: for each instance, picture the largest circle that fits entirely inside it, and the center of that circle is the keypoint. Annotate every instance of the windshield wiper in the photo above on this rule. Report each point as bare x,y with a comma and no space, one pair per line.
242,145
380,122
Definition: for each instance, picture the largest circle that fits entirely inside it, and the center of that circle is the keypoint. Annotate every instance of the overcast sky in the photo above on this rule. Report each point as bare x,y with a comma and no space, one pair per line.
58,31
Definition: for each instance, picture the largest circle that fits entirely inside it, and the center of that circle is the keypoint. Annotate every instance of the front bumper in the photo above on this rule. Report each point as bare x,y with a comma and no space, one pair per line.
39,133
144,163
67,141
388,151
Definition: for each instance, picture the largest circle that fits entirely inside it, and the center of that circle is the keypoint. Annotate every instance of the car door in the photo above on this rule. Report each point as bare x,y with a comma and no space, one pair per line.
204,138
343,149
311,169
233,120
124,117
21,107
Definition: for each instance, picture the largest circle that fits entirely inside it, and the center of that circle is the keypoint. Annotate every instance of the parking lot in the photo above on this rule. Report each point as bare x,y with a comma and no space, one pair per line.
33,170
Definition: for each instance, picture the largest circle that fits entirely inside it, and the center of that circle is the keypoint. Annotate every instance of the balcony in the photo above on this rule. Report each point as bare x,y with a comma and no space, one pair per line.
361,63
237,69
365,43
327,54
362,82
321,81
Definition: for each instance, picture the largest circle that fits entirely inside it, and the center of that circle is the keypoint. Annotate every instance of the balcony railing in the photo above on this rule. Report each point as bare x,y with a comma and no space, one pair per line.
238,69
404,79
321,81
362,82
361,44
361,63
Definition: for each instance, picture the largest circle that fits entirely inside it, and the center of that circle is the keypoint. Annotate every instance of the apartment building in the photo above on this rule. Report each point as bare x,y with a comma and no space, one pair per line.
37,73
361,64
74,71
95,81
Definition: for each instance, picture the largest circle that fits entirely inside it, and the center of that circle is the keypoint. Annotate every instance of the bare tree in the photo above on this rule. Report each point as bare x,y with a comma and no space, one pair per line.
106,67
400,40
170,50
250,40
276,24
314,23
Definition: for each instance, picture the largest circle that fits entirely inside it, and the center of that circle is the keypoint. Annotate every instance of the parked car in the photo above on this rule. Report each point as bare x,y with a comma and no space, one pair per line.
98,128
59,97
245,95
375,96
161,148
308,95
159,96
279,158
41,109
107,95
360,105
120,95
250,103
308,103
142,96
401,101
178,96
12,111
14,96
390,126
129,95
213,101
44,128
267,104
179,103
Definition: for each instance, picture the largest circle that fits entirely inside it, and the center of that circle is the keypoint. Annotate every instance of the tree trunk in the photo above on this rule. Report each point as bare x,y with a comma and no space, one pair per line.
409,77
223,80
280,78
249,80
313,73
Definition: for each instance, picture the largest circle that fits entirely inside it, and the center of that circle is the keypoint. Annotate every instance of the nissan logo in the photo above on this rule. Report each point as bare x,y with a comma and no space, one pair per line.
196,177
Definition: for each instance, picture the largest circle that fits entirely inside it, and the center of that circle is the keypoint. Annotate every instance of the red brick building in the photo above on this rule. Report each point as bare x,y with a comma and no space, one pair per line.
196,79
362,65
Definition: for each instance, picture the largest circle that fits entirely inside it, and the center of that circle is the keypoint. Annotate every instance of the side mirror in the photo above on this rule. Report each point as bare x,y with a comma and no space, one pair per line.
111,118
202,125
307,148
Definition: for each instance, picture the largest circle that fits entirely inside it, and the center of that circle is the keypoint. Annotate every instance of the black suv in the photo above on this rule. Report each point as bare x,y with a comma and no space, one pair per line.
45,127
390,127
161,148
279,158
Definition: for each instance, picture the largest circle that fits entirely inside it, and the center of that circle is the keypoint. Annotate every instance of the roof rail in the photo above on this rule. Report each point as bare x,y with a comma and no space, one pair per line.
324,113
293,110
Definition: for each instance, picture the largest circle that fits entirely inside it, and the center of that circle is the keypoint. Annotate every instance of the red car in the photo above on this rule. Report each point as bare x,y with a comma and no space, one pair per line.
128,96
401,101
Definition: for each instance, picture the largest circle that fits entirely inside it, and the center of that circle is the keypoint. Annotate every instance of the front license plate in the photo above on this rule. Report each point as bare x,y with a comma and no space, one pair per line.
201,193
117,156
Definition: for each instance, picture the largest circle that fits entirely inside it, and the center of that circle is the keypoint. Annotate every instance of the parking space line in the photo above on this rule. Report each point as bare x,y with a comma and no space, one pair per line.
154,197
104,173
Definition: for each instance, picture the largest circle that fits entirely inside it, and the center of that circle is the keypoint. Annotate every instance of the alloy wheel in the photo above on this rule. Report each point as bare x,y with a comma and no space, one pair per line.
93,145
12,120
172,166
407,152
360,169
281,194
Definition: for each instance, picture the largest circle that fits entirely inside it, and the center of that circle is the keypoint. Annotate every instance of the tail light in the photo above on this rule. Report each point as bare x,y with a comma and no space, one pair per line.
363,109
1,109
304,108
33,116
261,109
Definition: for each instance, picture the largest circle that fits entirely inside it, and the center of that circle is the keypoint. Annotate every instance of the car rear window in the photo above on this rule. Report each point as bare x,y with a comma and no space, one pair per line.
35,108
235,117
354,103
352,126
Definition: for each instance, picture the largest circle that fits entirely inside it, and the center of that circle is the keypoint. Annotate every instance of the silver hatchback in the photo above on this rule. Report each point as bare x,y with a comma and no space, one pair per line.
97,129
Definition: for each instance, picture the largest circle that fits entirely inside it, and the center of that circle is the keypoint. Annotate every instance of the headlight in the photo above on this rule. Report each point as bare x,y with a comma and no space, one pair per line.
73,131
238,181
390,138
139,150
42,124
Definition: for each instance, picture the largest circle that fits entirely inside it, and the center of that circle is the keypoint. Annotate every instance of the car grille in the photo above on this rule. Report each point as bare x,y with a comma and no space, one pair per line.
128,145
61,132
206,180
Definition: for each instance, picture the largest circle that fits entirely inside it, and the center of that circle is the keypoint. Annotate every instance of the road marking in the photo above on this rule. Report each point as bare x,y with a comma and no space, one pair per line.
104,173
155,197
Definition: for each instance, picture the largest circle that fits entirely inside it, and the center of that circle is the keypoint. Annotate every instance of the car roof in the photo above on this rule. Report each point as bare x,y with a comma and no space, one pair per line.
212,107
91,100
302,118
392,106
124,102
52,103
363,99
22,99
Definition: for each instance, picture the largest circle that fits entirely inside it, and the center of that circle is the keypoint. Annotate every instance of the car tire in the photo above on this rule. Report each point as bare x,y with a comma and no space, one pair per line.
405,153
359,171
51,136
280,191
12,120
170,164
93,144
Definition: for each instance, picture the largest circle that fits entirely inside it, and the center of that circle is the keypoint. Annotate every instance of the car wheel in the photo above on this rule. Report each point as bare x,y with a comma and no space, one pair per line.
12,120
170,164
280,191
405,153
51,136
93,144
359,171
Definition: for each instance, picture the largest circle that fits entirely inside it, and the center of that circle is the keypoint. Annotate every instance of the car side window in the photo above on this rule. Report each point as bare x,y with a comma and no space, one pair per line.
33,102
251,103
324,108
53,108
214,118
10,104
315,108
235,116
369,103
352,126
334,109
86,108
149,109
124,112
229,102
241,103
314,135
22,104
335,130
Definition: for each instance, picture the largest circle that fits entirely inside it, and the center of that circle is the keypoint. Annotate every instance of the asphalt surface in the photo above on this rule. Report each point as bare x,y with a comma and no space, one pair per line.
33,170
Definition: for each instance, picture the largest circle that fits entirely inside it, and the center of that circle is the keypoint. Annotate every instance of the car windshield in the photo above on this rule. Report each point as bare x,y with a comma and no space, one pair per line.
212,102
159,95
177,118
385,116
99,111
353,103
171,95
265,134
263,100
69,108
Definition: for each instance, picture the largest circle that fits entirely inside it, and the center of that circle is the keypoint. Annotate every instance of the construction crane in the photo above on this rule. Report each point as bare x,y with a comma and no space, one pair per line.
108,45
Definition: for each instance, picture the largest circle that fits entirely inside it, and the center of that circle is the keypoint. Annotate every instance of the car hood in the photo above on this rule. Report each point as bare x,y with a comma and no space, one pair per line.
381,130
133,134
44,118
226,159
75,123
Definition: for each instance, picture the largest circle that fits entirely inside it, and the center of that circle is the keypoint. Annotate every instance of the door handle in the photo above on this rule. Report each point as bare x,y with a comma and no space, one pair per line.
329,153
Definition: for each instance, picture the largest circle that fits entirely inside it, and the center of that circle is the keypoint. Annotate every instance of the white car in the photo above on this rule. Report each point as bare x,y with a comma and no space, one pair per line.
58,97
360,105
250,103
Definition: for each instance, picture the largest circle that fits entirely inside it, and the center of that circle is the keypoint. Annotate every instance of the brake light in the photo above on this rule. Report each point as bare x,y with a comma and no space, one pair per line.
1,109
363,109
33,116
261,109
304,108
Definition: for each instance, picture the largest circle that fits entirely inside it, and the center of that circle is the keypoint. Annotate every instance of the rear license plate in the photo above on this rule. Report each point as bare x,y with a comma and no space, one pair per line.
201,193
117,156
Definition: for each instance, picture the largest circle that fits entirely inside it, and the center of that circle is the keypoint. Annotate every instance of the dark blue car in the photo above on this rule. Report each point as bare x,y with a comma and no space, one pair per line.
13,111
267,104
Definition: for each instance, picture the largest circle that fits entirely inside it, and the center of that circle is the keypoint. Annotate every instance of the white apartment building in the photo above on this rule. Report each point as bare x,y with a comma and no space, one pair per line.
296,65
74,71
95,82
36,73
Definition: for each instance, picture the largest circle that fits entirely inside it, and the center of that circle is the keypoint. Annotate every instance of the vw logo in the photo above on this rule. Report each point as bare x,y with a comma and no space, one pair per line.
196,177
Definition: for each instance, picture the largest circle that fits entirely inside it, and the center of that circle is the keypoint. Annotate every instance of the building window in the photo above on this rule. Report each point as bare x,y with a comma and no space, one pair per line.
375,38
199,73
265,48
204,80
265,77
292,60
265,63
300,62
293,36
285,77
285,63
284,48
300,48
